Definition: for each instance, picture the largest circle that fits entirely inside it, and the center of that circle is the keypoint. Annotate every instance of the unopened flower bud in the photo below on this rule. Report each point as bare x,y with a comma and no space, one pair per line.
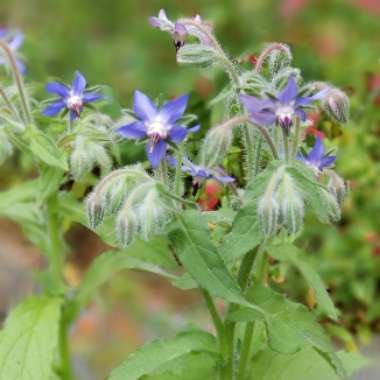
126,226
215,146
337,105
95,209
268,210
80,160
291,205
336,186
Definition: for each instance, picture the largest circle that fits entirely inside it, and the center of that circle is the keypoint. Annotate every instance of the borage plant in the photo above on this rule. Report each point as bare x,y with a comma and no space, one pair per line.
152,218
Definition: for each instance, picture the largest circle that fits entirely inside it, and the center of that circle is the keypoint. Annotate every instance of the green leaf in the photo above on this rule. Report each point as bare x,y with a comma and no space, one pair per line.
200,363
315,195
201,258
49,182
244,236
107,265
305,364
29,340
46,150
290,326
153,355
197,54
290,253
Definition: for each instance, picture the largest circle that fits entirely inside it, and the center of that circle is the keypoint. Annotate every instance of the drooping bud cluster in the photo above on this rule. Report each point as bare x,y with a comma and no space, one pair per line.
215,146
134,198
90,148
281,205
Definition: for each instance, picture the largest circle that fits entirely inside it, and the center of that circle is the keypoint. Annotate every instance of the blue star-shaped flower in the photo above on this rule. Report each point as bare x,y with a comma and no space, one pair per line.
73,98
317,159
282,108
158,125
14,39
200,173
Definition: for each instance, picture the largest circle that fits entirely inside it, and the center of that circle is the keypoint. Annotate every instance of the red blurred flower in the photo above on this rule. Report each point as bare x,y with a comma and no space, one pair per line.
373,84
373,6
211,195
290,8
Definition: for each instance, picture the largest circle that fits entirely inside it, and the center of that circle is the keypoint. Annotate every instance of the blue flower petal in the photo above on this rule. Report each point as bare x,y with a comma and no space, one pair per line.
57,88
301,114
16,41
290,91
54,109
144,107
172,110
79,83
136,130
316,154
155,152
90,97
326,161
177,133
194,129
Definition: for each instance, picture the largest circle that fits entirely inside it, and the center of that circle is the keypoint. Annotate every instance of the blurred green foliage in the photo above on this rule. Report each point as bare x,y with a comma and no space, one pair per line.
338,41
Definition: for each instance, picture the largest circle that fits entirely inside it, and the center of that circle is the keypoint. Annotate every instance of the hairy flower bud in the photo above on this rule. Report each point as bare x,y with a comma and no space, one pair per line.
215,146
268,210
279,58
291,205
80,160
95,209
337,105
336,186
126,226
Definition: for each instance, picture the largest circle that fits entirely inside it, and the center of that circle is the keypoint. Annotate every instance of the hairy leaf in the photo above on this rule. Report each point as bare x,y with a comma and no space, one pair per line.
290,253
153,355
29,340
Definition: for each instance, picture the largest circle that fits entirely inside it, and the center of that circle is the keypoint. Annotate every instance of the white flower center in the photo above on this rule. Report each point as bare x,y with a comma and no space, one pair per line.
157,128
285,112
74,102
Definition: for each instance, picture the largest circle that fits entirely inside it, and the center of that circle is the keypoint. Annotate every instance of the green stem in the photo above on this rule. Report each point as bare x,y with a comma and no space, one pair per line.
245,351
296,137
285,141
55,247
19,81
243,279
178,173
64,351
218,324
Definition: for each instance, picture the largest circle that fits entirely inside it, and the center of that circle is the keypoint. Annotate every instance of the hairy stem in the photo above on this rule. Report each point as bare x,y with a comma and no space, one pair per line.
243,119
243,278
245,351
218,324
285,141
229,66
263,56
18,80
8,103
64,350
296,138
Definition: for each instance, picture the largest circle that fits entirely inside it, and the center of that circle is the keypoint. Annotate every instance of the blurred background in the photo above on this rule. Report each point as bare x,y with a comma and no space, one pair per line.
112,43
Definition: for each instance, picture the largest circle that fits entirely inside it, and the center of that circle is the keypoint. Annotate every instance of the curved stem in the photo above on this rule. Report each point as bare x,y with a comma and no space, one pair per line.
263,56
18,79
8,102
229,65
264,131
